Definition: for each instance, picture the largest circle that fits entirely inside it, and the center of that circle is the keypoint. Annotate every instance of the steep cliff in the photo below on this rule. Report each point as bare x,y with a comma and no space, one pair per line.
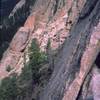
43,23
13,20
69,25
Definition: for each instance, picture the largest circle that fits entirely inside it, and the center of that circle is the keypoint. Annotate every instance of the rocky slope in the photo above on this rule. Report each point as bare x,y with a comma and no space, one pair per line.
68,24
53,23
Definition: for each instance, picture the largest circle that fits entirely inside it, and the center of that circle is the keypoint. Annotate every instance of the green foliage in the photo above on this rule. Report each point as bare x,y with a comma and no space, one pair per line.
34,53
8,88
36,59
26,74
14,87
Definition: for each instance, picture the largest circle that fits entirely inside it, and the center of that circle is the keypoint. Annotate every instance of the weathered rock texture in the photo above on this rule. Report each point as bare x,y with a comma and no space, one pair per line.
18,44
13,22
87,61
45,22
69,58
68,24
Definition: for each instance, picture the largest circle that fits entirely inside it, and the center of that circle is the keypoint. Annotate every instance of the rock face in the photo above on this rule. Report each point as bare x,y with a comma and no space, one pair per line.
16,19
20,40
86,63
51,20
14,52
96,87
67,23
62,73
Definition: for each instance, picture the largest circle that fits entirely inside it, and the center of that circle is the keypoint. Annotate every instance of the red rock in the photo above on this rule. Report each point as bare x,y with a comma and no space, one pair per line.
30,22
20,39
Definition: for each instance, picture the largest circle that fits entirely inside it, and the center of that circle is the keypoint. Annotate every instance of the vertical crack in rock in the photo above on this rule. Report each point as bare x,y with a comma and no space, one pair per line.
63,66
59,21
87,60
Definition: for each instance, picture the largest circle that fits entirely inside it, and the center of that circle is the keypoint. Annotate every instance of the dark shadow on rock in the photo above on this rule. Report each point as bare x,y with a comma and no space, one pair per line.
12,24
98,61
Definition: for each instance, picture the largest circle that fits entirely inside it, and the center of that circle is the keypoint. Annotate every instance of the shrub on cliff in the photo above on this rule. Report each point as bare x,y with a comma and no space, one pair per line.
9,88
37,58
16,87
